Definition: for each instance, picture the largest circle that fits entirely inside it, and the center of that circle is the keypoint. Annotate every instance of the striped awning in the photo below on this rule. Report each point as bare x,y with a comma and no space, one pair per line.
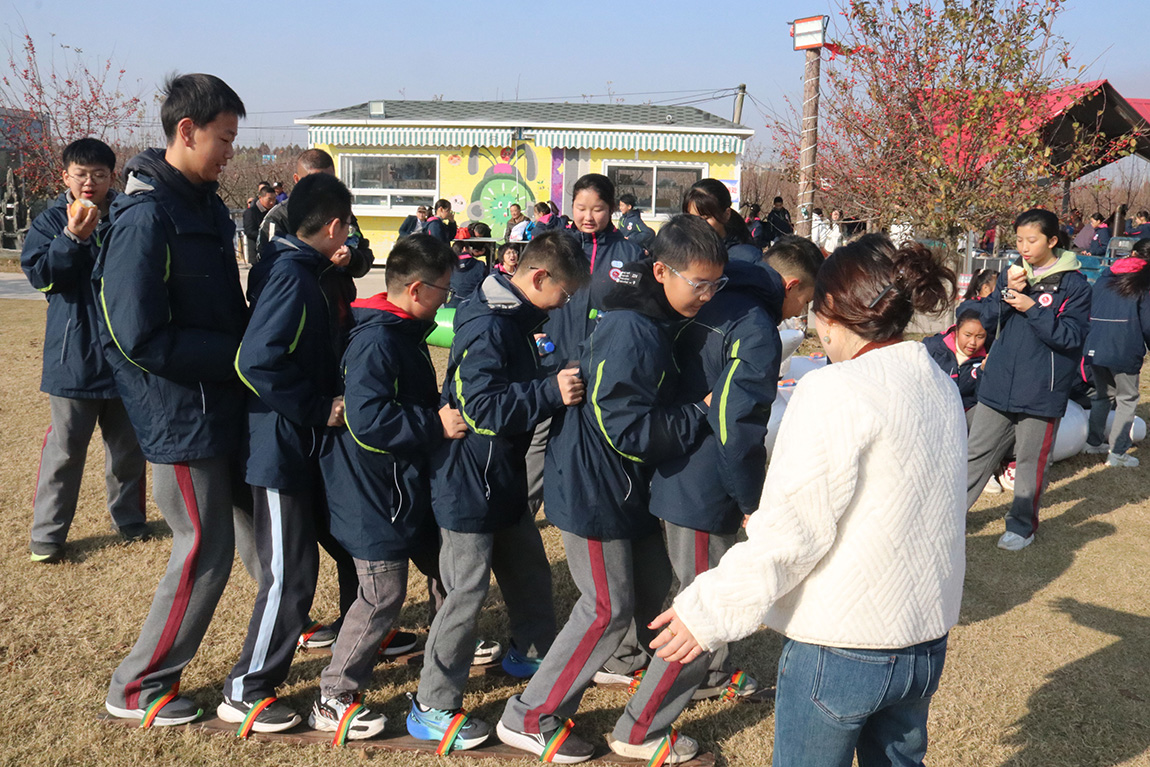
643,142
407,136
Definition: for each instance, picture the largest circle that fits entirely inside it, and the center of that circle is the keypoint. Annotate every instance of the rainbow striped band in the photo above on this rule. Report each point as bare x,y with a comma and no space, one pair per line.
449,735
308,632
636,680
345,721
245,728
556,741
664,749
154,709
738,679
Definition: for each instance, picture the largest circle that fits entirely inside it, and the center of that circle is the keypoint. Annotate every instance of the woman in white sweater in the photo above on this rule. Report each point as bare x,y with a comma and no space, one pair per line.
856,553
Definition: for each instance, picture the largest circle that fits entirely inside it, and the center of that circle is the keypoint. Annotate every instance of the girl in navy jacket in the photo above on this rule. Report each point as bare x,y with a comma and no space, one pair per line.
960,351
1115,347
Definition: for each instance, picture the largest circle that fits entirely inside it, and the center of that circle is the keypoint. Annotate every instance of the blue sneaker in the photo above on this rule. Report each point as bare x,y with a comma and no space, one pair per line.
454,730
519,665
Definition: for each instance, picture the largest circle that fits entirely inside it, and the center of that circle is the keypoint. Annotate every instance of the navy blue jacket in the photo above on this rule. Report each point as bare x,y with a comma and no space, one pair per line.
377,469
444,231
607,252
1140,231
173,313
1099,241
941,348
288,362
468,275
61,268
1036,355
603,452
633,228
553,222
733,350
479,483
742,251
758,232
778,223
1119,327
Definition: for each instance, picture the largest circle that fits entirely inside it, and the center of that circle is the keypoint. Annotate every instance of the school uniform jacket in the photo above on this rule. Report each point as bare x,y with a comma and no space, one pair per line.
1100,241
479,483
603,452
1037,354
741,251
60,267
444,231
468,275
733,350
172,313
289,365
635,230
1119,327
376,470
942,348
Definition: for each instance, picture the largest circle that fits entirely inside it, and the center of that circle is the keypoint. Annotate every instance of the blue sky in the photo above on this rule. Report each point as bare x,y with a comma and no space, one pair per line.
287,59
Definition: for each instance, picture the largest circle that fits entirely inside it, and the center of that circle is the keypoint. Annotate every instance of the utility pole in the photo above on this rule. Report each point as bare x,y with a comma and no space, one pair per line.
809,35
739,96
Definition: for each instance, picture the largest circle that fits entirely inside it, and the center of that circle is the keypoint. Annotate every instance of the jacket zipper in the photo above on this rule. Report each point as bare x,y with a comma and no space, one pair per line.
486,483
630,484
1051,371
64,347
399,490
203,399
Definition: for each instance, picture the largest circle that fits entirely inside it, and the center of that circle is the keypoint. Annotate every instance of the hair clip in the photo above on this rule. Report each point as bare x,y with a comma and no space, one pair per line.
879,297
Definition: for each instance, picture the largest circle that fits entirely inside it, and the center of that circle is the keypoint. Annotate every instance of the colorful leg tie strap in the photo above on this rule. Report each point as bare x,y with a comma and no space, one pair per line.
556,741
245,728
735,687
664,749
387,640
636,680
345,721
447,742
154,709
308,632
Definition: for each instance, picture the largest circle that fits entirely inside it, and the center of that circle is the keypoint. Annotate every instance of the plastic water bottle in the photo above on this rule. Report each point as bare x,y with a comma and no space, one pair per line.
545,346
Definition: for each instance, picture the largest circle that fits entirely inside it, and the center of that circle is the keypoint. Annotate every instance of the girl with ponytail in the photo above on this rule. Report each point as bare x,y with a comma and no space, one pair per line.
1115,347
859,553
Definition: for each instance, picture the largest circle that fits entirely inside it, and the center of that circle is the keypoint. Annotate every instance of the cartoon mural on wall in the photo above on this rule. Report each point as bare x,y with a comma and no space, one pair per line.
502,184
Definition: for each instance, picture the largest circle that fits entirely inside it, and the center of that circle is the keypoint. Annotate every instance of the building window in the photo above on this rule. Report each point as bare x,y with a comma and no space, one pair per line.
658,187
392,184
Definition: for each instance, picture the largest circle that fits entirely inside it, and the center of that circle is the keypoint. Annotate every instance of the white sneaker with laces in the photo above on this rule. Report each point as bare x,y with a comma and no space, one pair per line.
1014,542
1095,449
1116,459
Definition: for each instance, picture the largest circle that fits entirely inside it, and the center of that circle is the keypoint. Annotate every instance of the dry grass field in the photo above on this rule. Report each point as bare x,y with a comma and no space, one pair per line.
1048,668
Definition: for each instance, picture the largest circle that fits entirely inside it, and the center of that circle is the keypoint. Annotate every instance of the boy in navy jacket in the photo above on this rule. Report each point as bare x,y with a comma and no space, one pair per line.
57,258
377,469
1041,307
479,483
599,467
288,362
172,316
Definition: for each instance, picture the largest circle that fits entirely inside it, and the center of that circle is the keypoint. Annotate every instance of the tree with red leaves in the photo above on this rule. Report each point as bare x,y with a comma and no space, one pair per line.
938,116
44,107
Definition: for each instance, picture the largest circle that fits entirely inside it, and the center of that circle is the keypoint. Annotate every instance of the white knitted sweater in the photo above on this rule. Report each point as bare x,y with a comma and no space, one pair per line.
859,540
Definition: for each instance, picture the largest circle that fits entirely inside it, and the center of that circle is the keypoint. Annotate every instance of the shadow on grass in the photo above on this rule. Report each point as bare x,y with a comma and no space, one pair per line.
1091,711
79,549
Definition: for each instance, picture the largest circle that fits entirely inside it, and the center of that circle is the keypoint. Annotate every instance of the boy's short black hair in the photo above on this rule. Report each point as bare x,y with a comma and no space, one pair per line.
91,152
315,201
199,97
417,257
686,240
312,160
794,256
560,254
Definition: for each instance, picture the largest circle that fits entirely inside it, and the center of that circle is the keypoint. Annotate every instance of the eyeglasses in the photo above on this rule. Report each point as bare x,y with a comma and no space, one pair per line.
99,177
450,294
702,287
566,295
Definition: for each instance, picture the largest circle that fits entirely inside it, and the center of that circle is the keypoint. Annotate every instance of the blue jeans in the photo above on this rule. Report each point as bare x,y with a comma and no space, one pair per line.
831,702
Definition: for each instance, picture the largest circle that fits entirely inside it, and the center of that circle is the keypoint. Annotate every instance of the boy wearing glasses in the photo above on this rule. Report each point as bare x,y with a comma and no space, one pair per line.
288,363
596,489
57,258
479,483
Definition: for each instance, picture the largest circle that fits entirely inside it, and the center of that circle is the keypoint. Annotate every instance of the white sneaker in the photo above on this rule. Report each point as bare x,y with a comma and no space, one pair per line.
682,749
1014,542
486,651
1006,479
992,486
1115,459
1095,449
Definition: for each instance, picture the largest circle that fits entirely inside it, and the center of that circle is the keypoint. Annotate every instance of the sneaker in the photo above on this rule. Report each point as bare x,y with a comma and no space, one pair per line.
605,677
1014,542
738,685
519,665
137,531
1006,479
992,486
486,651
678,748
433,723
178,710
276,717
46,553
327,715
317,635
1095,449
570,749
1116,459
397,643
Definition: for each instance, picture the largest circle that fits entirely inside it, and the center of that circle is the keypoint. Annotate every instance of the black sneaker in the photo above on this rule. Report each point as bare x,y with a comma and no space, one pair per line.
176,711
137,531
397,643
276,717
317,635
327,715
46,553
571,750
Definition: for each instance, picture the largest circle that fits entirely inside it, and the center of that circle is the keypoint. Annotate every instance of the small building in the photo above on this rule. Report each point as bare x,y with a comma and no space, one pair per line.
485,155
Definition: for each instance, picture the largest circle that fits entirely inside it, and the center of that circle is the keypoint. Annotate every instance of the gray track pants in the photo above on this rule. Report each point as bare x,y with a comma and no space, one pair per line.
1121,389
62,461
